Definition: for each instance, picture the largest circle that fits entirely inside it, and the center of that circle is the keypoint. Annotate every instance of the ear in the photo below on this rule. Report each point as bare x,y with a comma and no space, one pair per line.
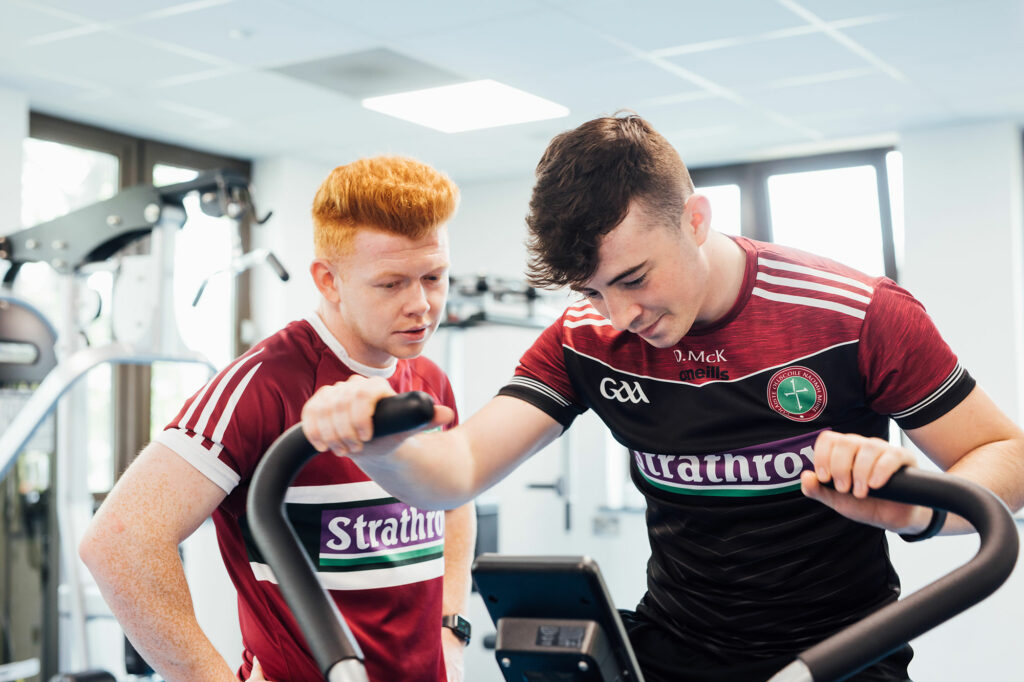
323,278
697,217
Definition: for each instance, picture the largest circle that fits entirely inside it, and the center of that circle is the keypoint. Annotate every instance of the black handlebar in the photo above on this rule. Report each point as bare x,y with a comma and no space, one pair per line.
329,638
884,631
836,658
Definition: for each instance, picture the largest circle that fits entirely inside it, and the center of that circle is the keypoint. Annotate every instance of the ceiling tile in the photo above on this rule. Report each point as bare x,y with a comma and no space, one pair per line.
254,94
388,19
109,59
170,69
514,49
833,10
706,114
43,86
723,144
864,93
657,24
761,62
19,23
369,73
949,31
119,10
604,87
965,82
258,33
870,104
132,115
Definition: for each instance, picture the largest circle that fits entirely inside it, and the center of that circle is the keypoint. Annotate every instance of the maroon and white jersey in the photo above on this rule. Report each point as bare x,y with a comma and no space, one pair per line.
381,559
720,426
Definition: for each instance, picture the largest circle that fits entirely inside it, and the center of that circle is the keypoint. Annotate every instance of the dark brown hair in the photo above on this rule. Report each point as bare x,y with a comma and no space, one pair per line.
586,180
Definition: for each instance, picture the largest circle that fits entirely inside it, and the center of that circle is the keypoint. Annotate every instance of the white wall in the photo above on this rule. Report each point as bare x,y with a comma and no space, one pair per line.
286,187
13,131
964,195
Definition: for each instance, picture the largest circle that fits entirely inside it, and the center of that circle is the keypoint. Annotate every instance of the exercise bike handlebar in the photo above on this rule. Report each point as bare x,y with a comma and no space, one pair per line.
831,660
875,636
330,641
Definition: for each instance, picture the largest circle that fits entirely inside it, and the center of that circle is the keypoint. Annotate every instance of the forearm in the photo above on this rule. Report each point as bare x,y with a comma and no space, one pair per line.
430,470
998,466
149,596
459,543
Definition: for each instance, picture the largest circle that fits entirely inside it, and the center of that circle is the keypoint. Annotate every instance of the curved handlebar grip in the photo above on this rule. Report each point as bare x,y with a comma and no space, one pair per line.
325,630
884,631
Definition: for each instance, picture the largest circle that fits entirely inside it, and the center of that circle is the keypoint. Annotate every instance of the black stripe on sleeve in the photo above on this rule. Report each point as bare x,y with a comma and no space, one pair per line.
544,398
950,394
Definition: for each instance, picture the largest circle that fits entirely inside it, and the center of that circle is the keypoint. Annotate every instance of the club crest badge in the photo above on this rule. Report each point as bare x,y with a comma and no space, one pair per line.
797,393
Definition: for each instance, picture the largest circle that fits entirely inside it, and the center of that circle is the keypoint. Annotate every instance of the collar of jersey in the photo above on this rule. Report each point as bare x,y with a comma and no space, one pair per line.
339,350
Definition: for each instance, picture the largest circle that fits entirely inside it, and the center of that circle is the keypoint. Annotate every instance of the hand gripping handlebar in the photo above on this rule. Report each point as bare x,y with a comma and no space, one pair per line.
887,629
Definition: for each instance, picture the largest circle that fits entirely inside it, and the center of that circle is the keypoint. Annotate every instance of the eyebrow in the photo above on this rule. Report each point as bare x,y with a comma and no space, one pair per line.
622,275
627,273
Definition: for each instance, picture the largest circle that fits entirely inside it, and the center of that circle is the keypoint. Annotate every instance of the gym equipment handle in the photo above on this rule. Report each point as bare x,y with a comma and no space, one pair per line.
327,635
884,631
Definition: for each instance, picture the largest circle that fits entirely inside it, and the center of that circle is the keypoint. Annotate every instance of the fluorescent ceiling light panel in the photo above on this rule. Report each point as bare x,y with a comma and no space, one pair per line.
466,106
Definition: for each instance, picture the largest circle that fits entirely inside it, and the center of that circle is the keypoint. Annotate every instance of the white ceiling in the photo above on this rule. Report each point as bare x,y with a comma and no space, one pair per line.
725,80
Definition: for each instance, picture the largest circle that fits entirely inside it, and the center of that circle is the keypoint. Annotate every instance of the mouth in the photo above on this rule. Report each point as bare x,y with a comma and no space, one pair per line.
648,330
413,333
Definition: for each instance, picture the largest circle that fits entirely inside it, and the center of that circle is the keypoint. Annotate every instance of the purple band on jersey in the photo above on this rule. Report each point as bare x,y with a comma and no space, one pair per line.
379,534
765,469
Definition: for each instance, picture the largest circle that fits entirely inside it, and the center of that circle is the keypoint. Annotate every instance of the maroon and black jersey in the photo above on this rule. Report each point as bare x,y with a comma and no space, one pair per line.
720,426
381,559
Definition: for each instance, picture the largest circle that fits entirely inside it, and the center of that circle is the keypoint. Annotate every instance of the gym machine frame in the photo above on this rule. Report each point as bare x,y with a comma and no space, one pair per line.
70,244
836,658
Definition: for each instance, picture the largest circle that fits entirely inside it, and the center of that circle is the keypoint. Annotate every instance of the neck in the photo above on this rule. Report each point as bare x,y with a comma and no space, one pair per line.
351,347
727,263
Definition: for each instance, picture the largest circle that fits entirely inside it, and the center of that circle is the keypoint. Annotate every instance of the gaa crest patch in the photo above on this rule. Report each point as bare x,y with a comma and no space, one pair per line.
797,393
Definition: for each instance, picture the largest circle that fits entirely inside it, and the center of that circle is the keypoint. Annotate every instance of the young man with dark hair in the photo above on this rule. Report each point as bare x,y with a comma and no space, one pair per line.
381,266
740,376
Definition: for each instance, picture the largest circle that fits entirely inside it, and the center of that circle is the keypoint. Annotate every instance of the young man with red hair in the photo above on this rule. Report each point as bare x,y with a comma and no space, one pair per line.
381,266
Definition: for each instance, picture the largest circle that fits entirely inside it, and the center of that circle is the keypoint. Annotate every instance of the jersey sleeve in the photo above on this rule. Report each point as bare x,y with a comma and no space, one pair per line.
225,428
447,396
910,372
541,378
436,383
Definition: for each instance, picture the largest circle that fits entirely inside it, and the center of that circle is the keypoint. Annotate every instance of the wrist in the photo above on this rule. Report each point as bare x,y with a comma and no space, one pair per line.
919,520
935,520
458,625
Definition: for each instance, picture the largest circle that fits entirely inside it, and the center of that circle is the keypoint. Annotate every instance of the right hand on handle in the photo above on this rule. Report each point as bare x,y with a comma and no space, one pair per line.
339,417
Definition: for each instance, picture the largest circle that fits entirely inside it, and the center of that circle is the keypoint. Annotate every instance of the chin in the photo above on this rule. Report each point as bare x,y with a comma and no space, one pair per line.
408,352
660,342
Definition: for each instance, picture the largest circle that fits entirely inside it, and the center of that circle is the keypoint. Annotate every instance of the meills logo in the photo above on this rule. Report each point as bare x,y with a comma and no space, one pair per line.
623,391
707,372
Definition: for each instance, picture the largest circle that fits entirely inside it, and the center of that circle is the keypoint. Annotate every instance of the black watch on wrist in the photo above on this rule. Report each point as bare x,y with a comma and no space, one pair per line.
459,625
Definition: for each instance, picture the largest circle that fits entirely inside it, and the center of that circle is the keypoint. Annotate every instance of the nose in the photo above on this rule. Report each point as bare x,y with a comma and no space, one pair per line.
418,303
621,311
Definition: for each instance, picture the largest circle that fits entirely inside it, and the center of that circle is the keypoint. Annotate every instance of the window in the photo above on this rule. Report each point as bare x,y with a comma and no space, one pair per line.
837,205
67,166
58,178
833,213
725,207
